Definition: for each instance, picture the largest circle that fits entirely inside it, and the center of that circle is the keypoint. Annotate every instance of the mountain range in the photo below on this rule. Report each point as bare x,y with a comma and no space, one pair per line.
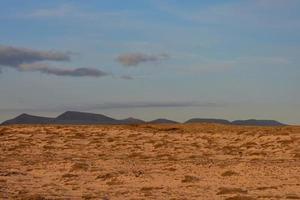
73,117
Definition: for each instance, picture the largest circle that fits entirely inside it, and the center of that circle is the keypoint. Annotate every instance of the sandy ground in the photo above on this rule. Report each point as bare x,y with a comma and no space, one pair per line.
149,162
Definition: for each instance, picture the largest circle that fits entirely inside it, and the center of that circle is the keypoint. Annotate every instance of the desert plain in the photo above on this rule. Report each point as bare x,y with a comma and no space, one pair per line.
182,161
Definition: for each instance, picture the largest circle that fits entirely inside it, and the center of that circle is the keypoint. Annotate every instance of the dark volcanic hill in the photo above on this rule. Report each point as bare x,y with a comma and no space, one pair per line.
131,120
208,120
162,121
72,117
254,122
29,119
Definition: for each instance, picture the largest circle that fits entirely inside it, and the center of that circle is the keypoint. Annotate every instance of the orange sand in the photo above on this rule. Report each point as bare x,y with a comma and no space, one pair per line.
149,162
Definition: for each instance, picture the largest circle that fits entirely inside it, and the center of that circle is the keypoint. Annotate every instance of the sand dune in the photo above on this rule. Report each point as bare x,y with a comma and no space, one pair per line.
191,161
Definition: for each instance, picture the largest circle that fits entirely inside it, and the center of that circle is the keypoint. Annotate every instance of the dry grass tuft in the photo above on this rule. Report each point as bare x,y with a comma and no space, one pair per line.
79,167
190,179
230,173
224,190
238,197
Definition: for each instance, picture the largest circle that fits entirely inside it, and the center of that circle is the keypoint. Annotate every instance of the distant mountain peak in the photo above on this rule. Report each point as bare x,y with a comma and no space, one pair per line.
24,115
256,122
28,119
162,121
78,114
131,120
208,120
74,117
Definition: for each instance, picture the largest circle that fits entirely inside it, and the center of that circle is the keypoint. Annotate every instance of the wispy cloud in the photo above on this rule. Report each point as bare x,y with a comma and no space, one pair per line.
24,59
165,104
133,105
78,72
126,77
69,11
248,13
276,3
260,60
134,59
60,11
117,105
208,65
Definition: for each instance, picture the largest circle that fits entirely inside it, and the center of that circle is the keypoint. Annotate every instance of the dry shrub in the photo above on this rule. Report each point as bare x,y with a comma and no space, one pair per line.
230,173
80,166
110,139
224,190
69,176
172,169
169,129
158,145
190,179
105,176
267,188
239,197
3,131
35,197
297,155
145,189
292,196
114,181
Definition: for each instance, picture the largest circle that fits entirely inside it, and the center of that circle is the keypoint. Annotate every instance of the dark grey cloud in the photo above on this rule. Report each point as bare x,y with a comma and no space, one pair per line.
74,72
24,59
134,59
12,56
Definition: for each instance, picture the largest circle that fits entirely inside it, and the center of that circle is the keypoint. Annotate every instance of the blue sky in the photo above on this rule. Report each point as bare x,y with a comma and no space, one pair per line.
176,59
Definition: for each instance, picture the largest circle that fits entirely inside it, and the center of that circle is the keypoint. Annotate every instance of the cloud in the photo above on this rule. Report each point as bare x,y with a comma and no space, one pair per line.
78,72
131,105
70,11
276,3
61,11
13,57
264,60
24,59
126,77
114,105
75,72
134,59
248,14
212,65
158,104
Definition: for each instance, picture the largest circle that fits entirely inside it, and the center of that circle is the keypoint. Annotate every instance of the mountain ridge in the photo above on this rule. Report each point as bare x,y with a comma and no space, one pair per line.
207,120
162,121
74,117
28,119
84,118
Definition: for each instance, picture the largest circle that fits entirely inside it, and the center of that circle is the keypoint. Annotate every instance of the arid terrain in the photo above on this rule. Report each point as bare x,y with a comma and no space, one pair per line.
191,161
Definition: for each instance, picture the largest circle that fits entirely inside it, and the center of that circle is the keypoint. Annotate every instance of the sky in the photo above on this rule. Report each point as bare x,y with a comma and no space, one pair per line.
150,59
